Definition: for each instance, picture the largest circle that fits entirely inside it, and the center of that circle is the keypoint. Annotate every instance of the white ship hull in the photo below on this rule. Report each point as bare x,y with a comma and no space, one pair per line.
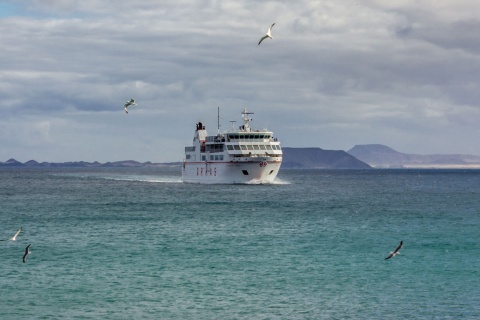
234,157
238,172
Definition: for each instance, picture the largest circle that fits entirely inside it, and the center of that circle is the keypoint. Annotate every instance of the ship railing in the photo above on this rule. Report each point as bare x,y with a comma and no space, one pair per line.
250,140
253,155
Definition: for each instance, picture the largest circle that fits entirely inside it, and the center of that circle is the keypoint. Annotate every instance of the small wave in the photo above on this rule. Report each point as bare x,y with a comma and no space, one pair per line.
280,181
275,182
133,178
145,179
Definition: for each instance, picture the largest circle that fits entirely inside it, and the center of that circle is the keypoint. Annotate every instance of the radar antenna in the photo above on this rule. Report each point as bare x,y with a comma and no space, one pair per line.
246,120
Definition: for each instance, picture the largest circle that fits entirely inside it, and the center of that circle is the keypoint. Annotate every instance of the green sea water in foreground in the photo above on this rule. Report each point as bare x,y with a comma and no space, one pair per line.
139,244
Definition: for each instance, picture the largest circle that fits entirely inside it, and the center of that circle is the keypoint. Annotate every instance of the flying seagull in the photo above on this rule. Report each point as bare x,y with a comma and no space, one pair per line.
130,102
268,34
16,234
394,253
27,251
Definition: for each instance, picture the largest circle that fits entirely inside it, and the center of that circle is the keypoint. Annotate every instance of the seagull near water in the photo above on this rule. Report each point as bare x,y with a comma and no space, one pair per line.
394,253
27,251
268,34
14,237
16,234
130,102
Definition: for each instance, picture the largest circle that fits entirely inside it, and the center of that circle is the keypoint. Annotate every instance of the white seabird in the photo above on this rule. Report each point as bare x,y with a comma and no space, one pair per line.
267,35
130,102
16,234
394,253
27,251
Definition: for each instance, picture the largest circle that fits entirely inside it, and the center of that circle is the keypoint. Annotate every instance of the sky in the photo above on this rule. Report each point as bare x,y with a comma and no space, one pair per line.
337,73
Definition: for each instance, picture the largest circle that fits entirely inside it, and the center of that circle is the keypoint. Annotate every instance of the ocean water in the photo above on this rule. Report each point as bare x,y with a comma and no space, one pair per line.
139,244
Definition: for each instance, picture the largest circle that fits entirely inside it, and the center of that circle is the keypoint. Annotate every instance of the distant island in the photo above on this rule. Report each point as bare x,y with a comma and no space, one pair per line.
316,158
293,158
84,164
381,156
367,156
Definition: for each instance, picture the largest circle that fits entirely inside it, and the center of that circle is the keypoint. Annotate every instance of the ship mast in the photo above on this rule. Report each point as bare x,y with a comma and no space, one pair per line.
218,121
246,120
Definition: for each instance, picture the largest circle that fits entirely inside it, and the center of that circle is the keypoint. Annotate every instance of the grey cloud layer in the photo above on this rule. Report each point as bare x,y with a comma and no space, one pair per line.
336,74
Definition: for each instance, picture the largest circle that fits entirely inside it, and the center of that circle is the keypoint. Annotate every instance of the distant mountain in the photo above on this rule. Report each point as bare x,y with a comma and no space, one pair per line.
11,163
316,158
31,163
378,155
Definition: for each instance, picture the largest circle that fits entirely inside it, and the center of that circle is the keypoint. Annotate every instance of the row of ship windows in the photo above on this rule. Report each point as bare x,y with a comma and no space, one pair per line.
253,147
219,147
213,157
239,137
248,136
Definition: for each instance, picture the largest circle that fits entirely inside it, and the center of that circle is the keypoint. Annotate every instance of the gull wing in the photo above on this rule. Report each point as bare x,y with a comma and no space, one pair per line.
263,38
399,247
26,252
16,234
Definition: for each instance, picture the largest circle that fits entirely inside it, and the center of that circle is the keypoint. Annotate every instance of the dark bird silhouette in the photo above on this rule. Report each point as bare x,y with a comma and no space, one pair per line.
131,102
394,253
27,251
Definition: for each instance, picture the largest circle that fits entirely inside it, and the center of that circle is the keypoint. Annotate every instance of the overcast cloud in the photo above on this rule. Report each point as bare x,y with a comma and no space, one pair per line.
336,74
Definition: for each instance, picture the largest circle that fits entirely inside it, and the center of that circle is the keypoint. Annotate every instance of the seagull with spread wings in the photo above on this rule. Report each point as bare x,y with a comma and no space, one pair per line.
130,102
267,35
394,253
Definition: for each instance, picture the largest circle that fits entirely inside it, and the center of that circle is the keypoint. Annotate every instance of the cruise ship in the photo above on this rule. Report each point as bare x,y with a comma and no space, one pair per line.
238,156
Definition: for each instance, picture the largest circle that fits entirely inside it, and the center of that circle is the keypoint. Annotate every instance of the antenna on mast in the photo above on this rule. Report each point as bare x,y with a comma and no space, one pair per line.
246,112
218,121
246,120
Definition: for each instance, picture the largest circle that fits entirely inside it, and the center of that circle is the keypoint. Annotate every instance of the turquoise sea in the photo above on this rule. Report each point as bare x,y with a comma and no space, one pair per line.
139,244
